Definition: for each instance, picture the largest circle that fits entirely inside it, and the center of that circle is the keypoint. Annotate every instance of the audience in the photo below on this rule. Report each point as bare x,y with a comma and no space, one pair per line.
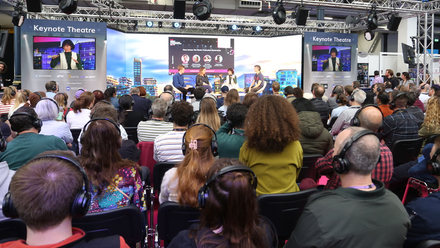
314,138
249,99
114,182
369,98
320,105
199,92
47,111
110,96
225,221
431,123
361,213
99,95
141,104
273,150
231,98
424,94
414,110
208,113
344,119
28,142
168,146
434,91
182,183
230,136
149,130
298,92
45,193
20,101
220,101
378,88
383,100
51,89
356,85
5,179
289,93
128,117
332,102
34,98
348,89
81,110
276,88
371,118
342,102
61,99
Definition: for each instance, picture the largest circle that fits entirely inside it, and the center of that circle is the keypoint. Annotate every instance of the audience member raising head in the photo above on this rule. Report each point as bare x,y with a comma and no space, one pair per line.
47,110
225,220
128,117
149,130
249,99
142,91
208,113
272,149
81,110
182,183
115,182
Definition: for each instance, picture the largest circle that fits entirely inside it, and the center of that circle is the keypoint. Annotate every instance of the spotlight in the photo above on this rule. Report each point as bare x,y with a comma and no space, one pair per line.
182,25
18,15
136,24
233,27
257,29
202,9
369,35
149,24
279,13
159,24
68,6
176,24
372,18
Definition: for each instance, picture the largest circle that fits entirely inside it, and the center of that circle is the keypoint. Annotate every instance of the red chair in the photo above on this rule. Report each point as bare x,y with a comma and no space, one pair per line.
422,187
146,159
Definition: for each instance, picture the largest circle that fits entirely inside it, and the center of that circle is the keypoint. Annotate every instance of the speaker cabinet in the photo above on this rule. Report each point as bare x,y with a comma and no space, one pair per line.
301,16
34,5
179,9
394,22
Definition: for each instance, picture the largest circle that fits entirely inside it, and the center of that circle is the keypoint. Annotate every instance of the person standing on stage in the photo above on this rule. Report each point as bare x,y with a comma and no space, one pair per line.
68,59
178,81
333,63
257,83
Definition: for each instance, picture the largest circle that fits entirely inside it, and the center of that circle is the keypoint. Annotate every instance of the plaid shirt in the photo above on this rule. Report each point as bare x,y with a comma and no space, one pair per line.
399,126
383,171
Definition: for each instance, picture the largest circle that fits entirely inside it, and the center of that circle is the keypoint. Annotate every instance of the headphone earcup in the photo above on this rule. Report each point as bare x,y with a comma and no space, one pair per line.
38,123
355,122
202,196
183,148
340,165
81,204
214,148
392,105
8,207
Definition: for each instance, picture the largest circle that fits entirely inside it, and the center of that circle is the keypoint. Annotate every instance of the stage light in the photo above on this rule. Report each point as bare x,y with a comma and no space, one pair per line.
257,29
369,35
68,6
182,25
149,24
279,13
372,18
159,24
18,15
233,27
202,9
176,24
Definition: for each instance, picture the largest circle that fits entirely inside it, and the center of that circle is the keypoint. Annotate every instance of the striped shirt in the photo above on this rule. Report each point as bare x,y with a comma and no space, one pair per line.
4,109
149,130
168,147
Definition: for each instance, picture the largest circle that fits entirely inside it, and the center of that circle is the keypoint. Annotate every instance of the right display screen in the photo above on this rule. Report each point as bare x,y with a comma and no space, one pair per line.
331,58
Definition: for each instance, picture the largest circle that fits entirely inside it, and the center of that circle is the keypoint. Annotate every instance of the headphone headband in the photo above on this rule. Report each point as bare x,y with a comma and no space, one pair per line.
50,99
214,145
355,122
104,119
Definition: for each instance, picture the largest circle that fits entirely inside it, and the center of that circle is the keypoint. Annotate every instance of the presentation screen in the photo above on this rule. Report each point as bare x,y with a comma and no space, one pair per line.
47,49
215,54
322,59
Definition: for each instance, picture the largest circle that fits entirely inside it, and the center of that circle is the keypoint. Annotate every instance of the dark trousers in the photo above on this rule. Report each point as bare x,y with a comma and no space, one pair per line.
184,92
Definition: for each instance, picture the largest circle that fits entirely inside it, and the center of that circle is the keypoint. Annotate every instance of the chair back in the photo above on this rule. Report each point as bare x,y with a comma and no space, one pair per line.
406,150
132,134
127,222
173,218
147,156
75,134
432,138
308,169
284,210
160,168
12,229
429,244
332,121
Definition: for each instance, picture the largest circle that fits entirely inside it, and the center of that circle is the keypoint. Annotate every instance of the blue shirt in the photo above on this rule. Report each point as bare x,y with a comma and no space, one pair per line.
178,80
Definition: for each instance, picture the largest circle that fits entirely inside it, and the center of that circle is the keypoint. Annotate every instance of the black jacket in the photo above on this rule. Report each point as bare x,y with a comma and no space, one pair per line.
321,107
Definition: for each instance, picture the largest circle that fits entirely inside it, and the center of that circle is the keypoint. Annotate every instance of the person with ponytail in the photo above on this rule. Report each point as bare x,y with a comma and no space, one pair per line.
128,117
229,218
181,183
81,110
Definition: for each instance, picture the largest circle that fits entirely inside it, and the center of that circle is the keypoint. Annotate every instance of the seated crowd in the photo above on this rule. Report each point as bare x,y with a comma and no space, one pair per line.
226,153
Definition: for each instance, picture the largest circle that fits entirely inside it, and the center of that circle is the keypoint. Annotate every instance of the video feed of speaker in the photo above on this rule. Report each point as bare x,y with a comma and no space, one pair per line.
52,53
331,58
215,54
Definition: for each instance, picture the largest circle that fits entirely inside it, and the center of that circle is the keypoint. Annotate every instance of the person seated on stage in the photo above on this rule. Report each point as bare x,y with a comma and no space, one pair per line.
225,220
320,105
249,99
231,97
360,213
114,182
28,142
383,100
67,59
182,183
141,105
149,130
221,100
81,110
168,146
257,82
110,96
276,89
289,93
51,89
127,116
202,80
179,83
44,194
199,92
314,138
356,99
369,117
272,149
229,80
230,136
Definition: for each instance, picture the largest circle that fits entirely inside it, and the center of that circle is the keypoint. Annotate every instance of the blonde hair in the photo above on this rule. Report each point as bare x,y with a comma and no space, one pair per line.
7,96
232,97
209,114
432,116
19,99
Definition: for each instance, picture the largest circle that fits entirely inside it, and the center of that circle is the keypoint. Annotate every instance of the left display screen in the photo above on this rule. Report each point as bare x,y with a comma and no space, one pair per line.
77,53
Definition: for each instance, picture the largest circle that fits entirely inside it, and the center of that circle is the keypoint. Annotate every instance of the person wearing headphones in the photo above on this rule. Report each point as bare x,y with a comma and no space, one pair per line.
401,124
128,117
332,101
181,183
28,142
368,117
141,104
149,130
51,89
225,221
355,99
362,212
46,193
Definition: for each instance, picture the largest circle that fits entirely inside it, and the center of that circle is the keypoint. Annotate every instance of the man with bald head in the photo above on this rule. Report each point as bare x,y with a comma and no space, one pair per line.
369,117
361,213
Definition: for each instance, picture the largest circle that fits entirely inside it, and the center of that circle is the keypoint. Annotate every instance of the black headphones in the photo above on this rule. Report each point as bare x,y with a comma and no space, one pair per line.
355,121
208,97
3,142
13,93
203,194
351,97
392,104
38,94
341,164
98,119
433,166
82,200
54,88
37,123
214,144
50,99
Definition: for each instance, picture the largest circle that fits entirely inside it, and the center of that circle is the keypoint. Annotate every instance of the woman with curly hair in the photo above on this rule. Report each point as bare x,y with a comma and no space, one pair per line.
272,149
182,183
431,124
209,114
